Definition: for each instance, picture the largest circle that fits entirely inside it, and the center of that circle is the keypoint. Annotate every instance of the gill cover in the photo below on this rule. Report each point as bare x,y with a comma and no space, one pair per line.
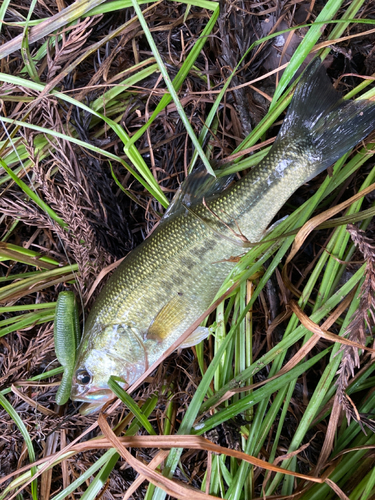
121,353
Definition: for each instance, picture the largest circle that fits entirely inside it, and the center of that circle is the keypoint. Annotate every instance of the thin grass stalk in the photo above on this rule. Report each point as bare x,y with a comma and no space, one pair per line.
33,196
339,29
171,89
3,8
255,441
146,178
287,341
363,382
25,51
257,396
183,72
219,336
302,302
26,436
317,397
62,18
347,257
365,488
336,248
309,40
344,470
279,430
305,421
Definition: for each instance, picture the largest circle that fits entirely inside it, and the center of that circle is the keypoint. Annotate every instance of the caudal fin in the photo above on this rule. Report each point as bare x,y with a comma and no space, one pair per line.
318,111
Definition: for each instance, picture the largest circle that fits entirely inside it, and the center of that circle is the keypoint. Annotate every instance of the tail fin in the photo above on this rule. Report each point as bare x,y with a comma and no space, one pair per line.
333,125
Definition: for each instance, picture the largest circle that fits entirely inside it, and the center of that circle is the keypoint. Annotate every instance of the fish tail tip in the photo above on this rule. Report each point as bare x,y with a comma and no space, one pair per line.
332,124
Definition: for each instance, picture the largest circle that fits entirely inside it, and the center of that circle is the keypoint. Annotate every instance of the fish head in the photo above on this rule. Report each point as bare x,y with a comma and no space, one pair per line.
113,350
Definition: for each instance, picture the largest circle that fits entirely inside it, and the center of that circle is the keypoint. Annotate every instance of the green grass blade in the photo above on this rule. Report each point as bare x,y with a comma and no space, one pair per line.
87,475
21,426
329,10
257,396
32,195
113,6
340,28
107,461
171,89
101,478
25,51
91,147
26,307
9,251
133,407
67,15
26,321
182,74
42,376
3,9
138,75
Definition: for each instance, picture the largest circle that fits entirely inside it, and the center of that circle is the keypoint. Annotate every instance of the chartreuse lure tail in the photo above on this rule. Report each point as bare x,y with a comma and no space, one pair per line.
67,335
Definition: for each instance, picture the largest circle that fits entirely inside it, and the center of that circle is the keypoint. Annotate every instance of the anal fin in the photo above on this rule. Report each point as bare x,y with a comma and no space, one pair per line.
201,333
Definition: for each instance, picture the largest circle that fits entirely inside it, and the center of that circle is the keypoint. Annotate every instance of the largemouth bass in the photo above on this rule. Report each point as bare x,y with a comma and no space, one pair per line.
168,282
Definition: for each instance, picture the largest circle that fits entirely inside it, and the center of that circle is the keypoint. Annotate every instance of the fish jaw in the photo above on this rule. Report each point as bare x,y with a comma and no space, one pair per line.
91,395
94,398
95,389
114,350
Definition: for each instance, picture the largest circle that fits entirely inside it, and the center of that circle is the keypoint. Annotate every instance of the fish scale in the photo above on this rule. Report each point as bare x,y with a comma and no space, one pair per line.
168,282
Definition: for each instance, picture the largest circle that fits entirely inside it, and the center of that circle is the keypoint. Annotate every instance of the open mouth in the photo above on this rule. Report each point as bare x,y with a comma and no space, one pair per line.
99,396
93,400
89,408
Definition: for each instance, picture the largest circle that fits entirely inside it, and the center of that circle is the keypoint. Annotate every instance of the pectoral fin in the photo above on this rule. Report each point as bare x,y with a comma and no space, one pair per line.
166,321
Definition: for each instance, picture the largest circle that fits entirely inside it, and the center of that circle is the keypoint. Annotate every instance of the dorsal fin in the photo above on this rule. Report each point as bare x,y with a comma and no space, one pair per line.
197,185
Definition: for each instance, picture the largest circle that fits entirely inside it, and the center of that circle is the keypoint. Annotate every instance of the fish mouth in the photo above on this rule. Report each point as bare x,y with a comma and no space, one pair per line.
93,395
93,399
89,408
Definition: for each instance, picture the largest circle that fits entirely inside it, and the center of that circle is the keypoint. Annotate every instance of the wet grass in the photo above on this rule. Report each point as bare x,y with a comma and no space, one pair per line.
79,111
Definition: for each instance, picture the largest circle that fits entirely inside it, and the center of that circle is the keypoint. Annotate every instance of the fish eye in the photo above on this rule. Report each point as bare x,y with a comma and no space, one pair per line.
83,377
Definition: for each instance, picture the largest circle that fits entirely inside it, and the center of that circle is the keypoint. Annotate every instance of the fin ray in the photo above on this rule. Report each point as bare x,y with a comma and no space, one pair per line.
165,321
197,185
201,333
333,125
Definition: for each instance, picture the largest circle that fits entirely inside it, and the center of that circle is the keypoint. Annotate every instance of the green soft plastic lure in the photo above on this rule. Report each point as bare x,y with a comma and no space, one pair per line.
66,336
168,282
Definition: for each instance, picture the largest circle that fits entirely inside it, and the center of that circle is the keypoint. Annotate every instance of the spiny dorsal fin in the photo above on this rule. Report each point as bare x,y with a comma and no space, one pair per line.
197,185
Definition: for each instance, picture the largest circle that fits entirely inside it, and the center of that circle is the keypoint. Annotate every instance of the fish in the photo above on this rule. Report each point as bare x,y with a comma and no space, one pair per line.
167,282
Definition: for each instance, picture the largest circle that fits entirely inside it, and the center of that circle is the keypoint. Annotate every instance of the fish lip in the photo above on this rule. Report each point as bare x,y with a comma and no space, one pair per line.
92,395
90,408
